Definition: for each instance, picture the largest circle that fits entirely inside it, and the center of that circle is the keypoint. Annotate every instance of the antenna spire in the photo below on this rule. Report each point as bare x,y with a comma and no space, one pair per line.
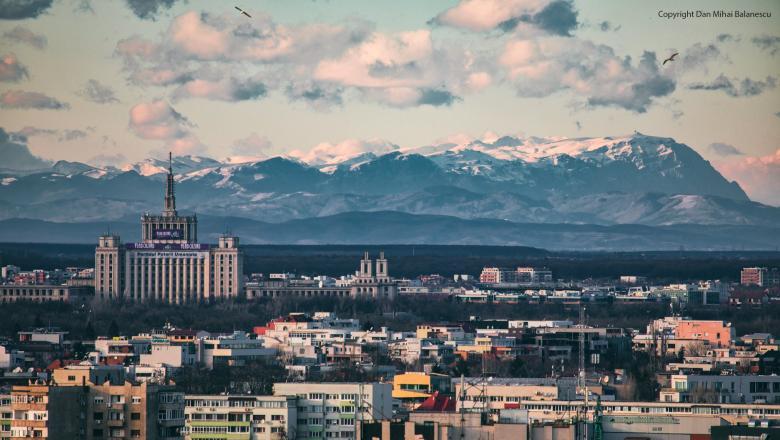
170,198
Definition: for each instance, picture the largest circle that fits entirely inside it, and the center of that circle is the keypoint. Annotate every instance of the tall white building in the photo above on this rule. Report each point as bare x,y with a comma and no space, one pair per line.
330,410
168,265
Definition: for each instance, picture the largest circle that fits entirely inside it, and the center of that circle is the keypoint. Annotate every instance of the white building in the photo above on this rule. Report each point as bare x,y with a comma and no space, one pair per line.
244,417
168,265
722,389
235,350
330,410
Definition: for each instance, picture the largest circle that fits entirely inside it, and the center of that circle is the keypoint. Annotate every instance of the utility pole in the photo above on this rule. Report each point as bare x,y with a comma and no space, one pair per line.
582,384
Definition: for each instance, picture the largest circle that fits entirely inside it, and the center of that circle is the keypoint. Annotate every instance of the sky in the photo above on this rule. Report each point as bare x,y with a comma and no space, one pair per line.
115,81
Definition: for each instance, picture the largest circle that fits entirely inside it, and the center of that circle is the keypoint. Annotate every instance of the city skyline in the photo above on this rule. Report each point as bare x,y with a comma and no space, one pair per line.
116,82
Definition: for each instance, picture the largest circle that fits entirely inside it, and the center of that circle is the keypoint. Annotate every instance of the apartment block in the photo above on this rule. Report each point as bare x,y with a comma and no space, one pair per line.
330,410
240,417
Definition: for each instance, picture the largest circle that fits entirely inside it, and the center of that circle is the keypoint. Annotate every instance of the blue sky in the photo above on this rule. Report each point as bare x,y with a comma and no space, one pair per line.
121,80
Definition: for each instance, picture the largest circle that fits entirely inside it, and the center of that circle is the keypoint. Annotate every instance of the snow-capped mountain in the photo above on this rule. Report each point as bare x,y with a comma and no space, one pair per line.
634,179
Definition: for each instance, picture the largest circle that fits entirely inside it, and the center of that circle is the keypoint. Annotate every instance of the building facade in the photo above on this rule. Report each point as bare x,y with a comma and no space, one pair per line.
168,265
240,417
330,410
44,293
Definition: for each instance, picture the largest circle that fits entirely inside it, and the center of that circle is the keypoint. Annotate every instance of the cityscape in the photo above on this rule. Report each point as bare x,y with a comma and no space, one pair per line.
406,220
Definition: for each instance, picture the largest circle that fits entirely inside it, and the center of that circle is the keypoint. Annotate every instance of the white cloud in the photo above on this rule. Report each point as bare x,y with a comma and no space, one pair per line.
328,153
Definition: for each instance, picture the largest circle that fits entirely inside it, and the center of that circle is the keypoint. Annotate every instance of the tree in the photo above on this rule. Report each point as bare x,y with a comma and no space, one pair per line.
113,329
89,331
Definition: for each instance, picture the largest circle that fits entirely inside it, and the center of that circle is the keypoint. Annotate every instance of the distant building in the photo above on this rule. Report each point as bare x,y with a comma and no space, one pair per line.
534,275
45,293
753,276
168,265
496,275
372,280
632,279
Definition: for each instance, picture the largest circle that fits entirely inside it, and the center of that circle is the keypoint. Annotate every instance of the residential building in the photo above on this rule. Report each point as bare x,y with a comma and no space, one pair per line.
753,276
697,388
412,388
241,417
330,410
236,349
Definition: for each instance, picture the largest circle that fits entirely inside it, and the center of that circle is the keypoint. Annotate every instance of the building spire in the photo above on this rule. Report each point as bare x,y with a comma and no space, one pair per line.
170,198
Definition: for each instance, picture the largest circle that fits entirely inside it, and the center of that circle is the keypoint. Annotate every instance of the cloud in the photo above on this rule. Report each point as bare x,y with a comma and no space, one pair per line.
607,26
735,87
22,9
769,43
727,38
149,9
318,95
405,69
112,159
230,89
327,153
19,99
23,35
254,145
83,6
758,176
157,120
593,72
63,135
98,93
11,70
697,57
722,149
436,97
556,17
15,155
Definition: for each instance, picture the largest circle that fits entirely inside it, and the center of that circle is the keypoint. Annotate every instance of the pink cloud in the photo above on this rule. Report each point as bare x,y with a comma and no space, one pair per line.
157,120
19,99
11,70
758,176
484,15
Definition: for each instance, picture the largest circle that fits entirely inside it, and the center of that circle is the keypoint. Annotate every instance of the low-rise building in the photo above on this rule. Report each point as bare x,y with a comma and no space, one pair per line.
45,293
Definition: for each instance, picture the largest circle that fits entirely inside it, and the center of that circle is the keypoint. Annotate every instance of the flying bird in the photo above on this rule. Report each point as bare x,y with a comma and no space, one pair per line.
242,11
671,58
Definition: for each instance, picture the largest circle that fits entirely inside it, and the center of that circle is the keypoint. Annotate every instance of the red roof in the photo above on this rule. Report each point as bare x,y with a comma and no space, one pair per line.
437,403
60,363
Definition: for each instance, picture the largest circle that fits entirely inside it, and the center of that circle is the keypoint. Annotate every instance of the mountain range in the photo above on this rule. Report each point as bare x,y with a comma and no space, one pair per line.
636,182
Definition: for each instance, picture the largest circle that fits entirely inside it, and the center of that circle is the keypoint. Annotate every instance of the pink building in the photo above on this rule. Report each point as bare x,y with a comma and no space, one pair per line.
719,334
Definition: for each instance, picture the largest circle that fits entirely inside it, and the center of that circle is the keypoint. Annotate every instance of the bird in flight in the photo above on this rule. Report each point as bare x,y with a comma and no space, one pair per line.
671,58
242,11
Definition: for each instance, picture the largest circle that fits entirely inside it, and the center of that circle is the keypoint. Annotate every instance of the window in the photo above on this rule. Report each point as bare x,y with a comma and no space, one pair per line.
135,433
97,433
97,416
135,416
136,400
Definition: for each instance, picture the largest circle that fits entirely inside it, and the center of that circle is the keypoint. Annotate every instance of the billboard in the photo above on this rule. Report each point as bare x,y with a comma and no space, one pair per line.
168,234
168,246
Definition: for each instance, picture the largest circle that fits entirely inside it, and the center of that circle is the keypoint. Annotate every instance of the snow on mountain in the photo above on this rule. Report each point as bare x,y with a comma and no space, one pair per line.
182,164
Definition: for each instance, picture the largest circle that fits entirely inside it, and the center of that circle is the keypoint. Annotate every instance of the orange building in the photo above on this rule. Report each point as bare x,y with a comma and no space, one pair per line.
719,334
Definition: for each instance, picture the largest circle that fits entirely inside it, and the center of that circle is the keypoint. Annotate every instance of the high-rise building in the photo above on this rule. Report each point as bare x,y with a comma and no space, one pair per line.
168,265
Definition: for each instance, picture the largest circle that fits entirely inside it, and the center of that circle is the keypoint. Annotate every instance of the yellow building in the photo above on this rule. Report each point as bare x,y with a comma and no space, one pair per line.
413,388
